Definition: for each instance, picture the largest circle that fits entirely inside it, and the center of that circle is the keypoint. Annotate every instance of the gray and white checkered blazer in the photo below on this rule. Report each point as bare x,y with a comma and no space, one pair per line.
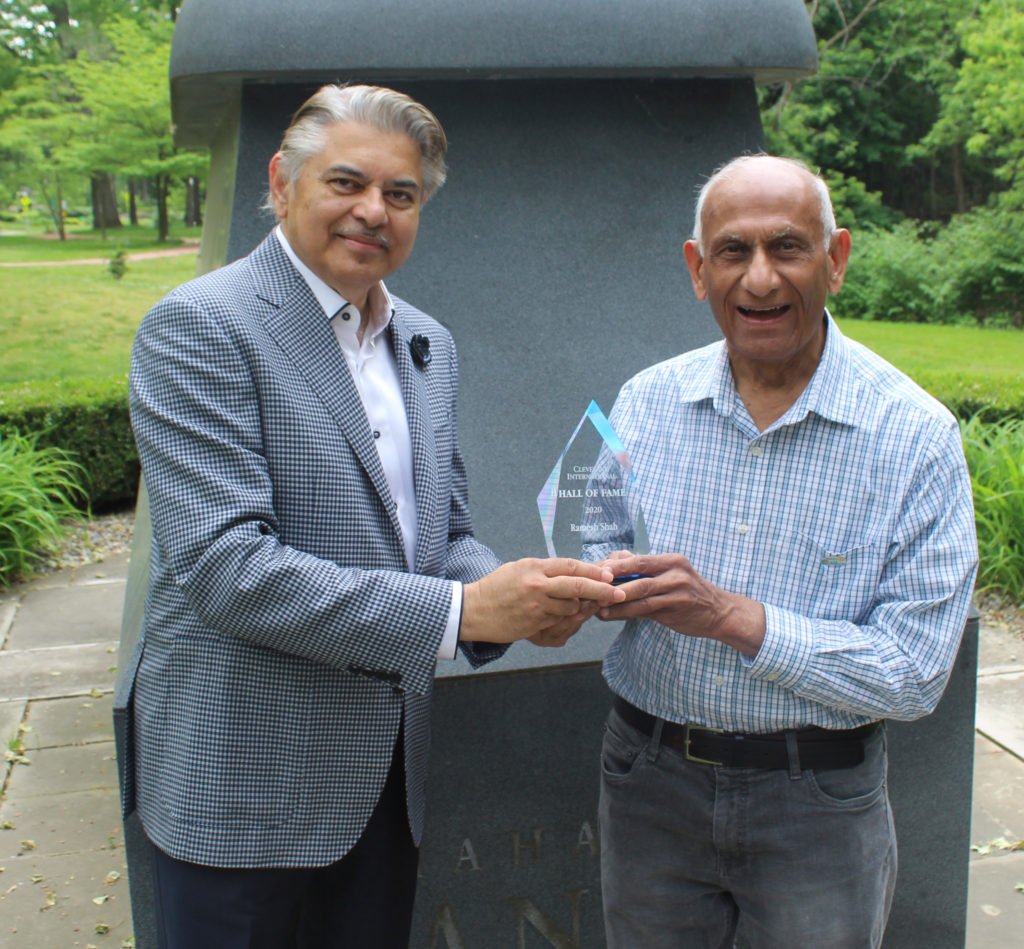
285,636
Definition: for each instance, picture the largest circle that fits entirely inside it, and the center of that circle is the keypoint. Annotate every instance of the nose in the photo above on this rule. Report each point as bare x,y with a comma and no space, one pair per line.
760,277
371,208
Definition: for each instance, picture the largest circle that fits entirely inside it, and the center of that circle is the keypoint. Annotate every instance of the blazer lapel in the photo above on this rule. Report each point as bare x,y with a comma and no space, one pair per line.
303,331
421,431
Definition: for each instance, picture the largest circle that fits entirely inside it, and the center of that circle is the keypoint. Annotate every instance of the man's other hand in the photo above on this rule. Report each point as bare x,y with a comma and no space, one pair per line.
671,592
545,601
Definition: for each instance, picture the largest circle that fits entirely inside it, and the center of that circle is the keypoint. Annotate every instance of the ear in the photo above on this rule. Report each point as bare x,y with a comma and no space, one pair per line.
278,185
695,264
838,255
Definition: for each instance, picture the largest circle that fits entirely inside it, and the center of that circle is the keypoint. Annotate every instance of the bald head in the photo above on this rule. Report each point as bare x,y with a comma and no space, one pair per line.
753,167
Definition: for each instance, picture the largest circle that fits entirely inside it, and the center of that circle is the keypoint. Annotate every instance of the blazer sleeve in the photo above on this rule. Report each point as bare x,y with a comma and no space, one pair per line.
199,418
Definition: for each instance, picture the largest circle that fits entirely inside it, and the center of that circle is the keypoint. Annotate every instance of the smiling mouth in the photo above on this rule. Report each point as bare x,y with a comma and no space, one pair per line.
764,312
365,237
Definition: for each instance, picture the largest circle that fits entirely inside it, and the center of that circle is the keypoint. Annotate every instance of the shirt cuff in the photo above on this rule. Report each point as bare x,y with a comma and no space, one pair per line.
787,648
450,641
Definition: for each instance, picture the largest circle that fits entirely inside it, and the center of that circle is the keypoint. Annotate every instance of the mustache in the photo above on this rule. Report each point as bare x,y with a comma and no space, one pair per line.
368,235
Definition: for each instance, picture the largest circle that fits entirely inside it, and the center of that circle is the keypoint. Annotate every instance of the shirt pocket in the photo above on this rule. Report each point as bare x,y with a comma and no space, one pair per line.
835,580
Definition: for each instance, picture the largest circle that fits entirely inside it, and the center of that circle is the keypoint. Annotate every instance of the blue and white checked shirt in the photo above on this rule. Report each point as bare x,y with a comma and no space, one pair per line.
850,519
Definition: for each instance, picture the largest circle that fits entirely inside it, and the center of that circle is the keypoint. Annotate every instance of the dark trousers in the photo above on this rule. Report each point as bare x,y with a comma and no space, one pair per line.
363,900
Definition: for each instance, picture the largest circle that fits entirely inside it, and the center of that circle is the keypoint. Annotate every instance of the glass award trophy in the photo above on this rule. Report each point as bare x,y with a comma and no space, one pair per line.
590,504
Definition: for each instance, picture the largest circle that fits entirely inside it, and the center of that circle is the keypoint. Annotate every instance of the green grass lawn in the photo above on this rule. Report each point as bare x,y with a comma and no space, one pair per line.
78,321
924,350
21,247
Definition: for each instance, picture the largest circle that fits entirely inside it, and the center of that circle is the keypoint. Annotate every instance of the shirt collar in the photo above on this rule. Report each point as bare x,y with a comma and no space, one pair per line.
378,300
828,394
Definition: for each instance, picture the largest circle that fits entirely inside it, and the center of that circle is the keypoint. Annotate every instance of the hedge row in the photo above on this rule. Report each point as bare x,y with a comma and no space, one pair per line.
967,396
90,419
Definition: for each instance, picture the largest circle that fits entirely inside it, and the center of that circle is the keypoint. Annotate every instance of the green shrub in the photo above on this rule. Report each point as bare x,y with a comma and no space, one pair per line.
117,265
981,397
39,488
891,276
995,457
982,254
970,271
87,418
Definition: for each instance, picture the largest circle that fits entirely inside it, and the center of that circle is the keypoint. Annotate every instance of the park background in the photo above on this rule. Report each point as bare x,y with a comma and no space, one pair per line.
915,117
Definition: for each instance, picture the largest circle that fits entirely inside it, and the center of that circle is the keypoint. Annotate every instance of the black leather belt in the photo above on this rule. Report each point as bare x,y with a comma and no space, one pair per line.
816,747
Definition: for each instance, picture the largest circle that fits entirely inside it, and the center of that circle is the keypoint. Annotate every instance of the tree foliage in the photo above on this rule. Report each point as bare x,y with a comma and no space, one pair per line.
885,66
916,115
983,109
90,98
126,97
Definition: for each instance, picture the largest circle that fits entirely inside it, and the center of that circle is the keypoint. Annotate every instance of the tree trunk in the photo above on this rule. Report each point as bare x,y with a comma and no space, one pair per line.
133,210
933,191
104,202
60,210
958,180
55,212
193,203
162,222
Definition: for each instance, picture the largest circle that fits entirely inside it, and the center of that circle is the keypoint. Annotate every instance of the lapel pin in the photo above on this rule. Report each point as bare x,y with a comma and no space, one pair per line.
419,346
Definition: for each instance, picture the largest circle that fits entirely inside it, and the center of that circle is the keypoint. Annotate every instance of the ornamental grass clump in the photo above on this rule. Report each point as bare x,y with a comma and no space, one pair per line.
38,493
995,457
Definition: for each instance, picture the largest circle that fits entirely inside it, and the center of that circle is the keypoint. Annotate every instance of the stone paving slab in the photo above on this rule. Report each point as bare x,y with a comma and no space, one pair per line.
995,909
11,714
115,566
72,614
8,610
999,709
61,823
58,671
67,721
55,771
46,902
999,650
998,805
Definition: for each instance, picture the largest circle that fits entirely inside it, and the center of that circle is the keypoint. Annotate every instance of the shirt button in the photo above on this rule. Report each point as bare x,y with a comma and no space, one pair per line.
742,528
756,451
718,680
772,676
376,434
345,315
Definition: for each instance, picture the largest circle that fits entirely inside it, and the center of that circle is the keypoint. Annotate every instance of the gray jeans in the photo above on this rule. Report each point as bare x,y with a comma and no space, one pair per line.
690,852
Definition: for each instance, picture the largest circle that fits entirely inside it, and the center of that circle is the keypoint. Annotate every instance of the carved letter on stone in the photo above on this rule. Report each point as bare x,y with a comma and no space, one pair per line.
527,912
467,855
587,840
518,846
444,928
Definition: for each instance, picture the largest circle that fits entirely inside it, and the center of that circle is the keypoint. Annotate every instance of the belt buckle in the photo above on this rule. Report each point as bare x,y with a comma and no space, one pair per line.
686,744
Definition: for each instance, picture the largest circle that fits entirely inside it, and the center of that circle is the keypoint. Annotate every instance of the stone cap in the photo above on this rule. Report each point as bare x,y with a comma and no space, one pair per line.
218,44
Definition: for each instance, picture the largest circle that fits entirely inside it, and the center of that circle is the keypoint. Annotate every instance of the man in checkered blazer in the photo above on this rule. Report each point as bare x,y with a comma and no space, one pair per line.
313,555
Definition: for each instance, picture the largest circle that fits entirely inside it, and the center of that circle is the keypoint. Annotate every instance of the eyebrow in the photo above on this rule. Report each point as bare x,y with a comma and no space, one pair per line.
351,172
787,233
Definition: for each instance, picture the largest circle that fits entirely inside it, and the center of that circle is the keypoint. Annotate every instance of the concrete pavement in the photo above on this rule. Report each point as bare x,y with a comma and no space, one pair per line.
63,878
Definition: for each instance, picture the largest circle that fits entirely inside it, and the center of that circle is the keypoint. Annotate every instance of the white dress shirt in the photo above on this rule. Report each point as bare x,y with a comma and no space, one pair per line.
375,374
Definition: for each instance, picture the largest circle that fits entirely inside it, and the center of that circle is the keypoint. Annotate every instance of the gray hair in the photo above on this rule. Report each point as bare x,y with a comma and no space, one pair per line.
828,217
381,108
